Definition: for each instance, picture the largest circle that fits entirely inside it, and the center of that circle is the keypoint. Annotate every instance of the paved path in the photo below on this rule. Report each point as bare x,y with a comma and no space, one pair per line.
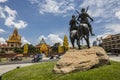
6,68
114,58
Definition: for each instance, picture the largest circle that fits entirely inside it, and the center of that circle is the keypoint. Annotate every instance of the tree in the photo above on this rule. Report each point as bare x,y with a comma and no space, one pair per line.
55,47
25,48
18,50
65,43
31,49
60,49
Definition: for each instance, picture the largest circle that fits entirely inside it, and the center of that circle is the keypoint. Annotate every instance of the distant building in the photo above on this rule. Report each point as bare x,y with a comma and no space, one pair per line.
3,48
14,41
43,47
111,42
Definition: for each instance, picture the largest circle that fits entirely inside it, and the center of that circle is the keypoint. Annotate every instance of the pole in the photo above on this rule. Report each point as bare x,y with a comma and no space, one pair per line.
77,11
87,8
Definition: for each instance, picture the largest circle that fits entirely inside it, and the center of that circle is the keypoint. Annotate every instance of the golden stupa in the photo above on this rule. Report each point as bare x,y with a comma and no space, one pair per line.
14,39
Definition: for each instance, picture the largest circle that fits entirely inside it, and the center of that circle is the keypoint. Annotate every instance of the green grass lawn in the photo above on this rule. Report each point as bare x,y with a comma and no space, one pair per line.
43,71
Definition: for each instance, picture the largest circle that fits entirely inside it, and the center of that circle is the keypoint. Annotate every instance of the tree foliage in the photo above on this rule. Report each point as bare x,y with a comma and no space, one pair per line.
18,50
31,49
55,47
65,43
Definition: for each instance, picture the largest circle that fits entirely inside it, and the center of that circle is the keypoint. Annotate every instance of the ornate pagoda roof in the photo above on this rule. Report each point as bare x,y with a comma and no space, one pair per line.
15,37
41,42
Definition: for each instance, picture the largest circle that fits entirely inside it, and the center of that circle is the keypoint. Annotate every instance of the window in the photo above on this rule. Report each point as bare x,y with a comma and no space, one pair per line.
12,45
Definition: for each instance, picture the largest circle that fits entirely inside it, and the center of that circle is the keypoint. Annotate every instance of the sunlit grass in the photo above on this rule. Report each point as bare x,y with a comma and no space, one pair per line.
43,71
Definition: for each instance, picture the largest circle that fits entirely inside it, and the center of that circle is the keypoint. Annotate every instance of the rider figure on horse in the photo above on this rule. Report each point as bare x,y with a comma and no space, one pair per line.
83,18
73,23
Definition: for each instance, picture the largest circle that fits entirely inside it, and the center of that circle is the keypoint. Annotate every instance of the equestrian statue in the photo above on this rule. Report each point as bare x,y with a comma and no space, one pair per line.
80,28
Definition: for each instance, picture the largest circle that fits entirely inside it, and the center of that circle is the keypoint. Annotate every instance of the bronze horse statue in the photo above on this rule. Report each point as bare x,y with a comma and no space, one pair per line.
81,32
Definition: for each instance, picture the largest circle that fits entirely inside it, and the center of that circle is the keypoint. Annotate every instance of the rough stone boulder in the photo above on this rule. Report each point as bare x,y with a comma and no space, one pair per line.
81,60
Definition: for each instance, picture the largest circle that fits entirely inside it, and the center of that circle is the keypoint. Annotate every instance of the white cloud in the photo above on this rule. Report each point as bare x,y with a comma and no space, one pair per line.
113,28
2,31
2,14
2,1
10,12
34,1
2,40
105,9
9,15
55,38
117,14
51,39
20,24
42,36
54,6
24,41
9,21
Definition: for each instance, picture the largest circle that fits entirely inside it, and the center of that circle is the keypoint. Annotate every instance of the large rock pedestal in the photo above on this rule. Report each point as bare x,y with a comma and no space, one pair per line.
81,60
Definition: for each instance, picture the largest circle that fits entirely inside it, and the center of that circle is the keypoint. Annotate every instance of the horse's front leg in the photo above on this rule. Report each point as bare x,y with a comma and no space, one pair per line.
78,43
87,41
72,41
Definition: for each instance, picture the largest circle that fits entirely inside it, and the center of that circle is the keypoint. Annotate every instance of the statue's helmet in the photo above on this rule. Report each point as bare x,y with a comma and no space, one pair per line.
83,10
73,16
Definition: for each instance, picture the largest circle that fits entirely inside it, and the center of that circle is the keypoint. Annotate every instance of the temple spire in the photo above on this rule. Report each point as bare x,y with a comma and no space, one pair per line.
42,41
14,39
15,32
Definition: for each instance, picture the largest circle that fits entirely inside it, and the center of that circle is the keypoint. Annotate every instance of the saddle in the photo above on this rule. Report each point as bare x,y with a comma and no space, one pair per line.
84,25
73,33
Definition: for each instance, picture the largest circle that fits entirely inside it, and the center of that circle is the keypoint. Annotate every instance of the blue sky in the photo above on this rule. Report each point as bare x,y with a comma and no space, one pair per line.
50,18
